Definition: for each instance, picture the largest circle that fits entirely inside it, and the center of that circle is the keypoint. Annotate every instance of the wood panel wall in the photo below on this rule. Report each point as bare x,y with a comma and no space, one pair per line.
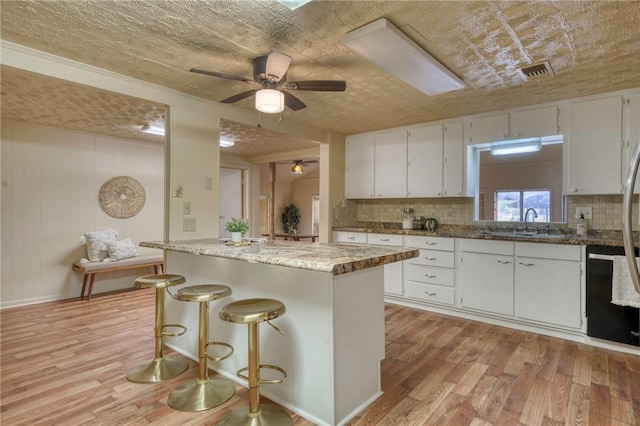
50,183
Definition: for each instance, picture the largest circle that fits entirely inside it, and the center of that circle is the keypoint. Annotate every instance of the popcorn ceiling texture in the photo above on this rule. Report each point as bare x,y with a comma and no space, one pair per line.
592,47
607,211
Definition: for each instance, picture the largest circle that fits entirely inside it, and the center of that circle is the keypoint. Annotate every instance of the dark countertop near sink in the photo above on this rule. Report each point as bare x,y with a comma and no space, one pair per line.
556,236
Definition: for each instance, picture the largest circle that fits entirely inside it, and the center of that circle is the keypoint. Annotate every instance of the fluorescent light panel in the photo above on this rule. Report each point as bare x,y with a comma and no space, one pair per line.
293,4
384,45
516,148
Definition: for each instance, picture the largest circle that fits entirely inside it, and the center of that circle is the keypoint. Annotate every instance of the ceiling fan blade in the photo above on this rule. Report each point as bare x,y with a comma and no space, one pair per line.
223,75
238,97
293,102
318,85
277,65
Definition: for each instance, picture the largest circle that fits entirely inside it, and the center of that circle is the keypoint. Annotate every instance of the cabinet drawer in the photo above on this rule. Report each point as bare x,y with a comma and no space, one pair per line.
384,240
431,293
442,259
549,251
351,237
431,243
426,274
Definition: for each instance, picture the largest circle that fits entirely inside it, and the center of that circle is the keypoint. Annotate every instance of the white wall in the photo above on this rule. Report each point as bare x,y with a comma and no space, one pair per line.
50,183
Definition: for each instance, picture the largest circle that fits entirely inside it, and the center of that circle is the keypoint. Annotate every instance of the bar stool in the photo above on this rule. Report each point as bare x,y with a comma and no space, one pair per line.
203,393
159,368
251,312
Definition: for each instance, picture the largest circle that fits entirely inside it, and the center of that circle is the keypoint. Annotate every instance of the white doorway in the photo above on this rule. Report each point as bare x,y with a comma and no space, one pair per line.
231,196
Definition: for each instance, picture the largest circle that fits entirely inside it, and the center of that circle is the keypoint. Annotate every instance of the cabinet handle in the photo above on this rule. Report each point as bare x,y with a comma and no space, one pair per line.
430,243
633,333
429,294
430,258
351,238
384,239
574,190
527,264
504,262
430,276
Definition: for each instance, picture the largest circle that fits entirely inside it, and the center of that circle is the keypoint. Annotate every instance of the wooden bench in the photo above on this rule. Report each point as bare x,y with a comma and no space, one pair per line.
91,269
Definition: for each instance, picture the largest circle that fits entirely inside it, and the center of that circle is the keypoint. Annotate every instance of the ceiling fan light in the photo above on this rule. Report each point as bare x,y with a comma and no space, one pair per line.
269,101
296,169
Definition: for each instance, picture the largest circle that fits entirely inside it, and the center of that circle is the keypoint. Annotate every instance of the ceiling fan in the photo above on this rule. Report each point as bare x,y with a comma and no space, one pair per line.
270,76
297,165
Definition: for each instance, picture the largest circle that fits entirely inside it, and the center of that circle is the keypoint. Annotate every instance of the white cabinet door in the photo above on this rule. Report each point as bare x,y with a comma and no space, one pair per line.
631,130
489,129
393,278
534,123
595,146
424,154
453,173
359,163
390,170
485,282
548,291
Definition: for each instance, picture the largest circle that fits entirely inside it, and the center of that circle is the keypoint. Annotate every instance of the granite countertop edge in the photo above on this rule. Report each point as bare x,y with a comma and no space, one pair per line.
320,257
601,239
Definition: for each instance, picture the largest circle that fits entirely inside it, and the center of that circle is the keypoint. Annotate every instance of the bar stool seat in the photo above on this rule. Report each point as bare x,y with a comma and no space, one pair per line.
159,368
204,392
252,312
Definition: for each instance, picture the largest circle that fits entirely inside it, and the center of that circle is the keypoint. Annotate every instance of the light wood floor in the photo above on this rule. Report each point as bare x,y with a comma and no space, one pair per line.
64,363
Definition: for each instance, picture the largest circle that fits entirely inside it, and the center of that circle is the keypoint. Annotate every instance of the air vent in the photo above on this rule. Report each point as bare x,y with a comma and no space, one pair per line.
537,71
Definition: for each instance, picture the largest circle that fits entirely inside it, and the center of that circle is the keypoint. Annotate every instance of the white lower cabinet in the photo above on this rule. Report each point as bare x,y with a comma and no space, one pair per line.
430,277
548,290
486,282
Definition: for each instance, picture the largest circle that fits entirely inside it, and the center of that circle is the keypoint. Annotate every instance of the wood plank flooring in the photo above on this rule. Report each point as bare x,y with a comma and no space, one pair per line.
64,363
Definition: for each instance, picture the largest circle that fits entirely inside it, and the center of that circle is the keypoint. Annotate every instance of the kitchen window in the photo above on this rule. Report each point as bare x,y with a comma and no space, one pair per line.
510,206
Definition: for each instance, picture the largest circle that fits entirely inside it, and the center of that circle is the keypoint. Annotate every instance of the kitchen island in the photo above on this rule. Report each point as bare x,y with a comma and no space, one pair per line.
334,323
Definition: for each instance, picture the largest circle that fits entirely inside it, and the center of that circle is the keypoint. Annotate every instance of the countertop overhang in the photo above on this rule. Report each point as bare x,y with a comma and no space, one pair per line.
335,259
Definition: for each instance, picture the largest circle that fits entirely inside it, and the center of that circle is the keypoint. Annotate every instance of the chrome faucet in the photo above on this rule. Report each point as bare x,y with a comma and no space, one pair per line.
535,216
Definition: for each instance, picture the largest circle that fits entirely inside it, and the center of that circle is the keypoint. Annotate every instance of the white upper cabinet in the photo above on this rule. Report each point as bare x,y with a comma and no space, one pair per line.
534,123
390,170
424,153
359,160
453,173
595,146
488,129
631,132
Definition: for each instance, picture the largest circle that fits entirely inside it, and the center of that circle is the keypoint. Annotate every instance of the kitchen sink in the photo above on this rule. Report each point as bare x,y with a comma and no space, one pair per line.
522,234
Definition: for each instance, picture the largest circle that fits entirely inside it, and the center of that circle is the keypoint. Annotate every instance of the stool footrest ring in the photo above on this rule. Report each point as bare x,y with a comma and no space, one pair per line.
220,358
266,382
180,326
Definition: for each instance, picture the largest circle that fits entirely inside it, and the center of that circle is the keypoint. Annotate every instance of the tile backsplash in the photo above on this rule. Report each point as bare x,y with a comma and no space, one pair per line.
606,209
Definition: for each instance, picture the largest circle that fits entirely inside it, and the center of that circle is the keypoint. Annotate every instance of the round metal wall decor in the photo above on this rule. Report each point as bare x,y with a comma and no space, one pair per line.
122,197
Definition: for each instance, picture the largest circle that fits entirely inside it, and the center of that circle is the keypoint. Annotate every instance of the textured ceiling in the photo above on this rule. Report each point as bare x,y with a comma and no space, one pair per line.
593,47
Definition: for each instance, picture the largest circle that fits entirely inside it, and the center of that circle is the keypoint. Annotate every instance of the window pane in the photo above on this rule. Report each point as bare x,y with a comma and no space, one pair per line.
540,201
508,206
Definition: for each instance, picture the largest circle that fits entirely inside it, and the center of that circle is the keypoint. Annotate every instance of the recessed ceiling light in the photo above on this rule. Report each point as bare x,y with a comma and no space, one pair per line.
153,129
225,142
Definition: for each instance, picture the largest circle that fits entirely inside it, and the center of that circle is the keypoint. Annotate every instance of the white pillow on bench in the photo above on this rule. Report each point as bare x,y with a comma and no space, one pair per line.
122,249
97,244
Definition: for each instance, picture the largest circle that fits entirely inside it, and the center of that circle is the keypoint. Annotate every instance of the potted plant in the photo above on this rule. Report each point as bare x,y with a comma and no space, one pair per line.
290,219
237,227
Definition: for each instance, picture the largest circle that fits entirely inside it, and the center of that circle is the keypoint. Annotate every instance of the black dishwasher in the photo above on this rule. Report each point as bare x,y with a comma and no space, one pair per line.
604,319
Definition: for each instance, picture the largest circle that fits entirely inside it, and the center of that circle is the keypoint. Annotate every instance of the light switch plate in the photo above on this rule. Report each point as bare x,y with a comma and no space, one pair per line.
189,224
186,208
586,211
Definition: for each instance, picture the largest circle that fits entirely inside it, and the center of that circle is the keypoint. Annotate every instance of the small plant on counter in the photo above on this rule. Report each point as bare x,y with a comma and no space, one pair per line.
290,219
237,225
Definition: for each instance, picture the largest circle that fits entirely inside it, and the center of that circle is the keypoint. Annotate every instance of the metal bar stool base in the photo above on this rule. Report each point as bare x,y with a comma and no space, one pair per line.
269,415
157,370
195,396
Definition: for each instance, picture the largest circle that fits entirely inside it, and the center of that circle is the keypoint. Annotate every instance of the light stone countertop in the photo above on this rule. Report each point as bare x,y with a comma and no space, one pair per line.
332,258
